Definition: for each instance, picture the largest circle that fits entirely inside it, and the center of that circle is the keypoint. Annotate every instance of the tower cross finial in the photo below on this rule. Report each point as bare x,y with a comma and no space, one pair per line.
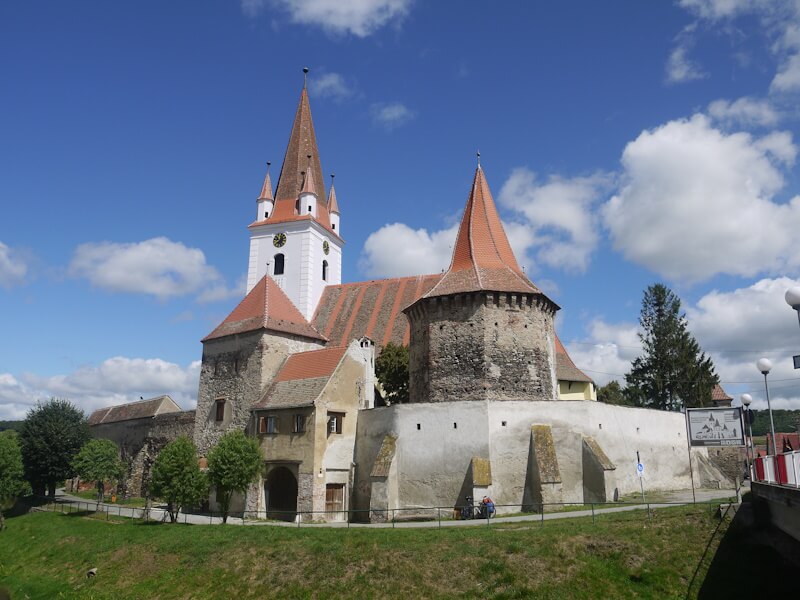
478,155
305,77
268,165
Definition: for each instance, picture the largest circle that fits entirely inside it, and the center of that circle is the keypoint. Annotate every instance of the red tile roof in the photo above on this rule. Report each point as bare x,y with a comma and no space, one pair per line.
565,368
311,364
141,409
299,173
482,257
333,206
265,307
302,142
718,394
266,189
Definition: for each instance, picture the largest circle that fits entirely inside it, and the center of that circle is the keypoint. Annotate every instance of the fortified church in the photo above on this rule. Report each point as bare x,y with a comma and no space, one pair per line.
496,405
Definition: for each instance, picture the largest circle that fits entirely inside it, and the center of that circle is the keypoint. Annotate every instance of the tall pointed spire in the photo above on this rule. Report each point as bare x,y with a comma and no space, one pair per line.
482,257
302,142
266,189
333,206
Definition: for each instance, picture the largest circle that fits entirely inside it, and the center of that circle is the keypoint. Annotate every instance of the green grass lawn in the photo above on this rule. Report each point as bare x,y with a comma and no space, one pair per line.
46,555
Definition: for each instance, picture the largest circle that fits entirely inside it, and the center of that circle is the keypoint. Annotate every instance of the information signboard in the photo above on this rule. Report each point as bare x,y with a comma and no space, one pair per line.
715,426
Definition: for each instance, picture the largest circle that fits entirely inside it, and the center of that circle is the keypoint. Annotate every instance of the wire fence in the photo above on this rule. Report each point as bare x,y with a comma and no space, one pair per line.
437,516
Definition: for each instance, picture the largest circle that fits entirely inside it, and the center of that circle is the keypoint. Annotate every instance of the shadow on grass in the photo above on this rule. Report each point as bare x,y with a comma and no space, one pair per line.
754,559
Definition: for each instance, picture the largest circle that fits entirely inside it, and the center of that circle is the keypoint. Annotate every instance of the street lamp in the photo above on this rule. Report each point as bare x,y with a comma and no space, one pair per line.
793,299
746,400
765,366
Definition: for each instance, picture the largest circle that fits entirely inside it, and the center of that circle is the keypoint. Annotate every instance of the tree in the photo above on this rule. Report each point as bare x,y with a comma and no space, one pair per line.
673,372
613,393
233,464
52,434
391,369
99,461
176,477
12,475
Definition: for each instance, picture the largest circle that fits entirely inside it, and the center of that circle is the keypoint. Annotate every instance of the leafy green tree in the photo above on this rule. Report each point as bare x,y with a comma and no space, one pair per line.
233,464
613,393
12,475
673,372
391,369
176,477
99,461
52,434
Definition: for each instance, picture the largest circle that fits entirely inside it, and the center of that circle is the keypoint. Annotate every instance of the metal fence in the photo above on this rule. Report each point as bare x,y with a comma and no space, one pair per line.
398,517
782,469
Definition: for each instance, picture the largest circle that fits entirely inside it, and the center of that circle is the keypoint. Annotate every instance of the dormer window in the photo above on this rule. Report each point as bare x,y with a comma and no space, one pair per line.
266,215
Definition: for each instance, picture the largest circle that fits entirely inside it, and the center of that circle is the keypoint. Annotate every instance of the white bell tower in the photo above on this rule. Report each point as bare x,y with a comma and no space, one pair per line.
295,237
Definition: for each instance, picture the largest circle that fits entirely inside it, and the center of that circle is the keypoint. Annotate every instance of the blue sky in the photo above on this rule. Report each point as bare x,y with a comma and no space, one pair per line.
625,143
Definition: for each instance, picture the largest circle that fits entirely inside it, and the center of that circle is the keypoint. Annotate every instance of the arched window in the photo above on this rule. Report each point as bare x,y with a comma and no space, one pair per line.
279,265
324,270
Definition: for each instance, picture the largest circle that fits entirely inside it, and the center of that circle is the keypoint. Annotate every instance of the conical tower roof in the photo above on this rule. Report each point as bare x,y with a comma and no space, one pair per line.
333,206
482,257
266,189
302,142
309,185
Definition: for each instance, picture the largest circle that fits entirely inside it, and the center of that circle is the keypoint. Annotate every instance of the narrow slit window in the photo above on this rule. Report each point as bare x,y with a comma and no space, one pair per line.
279,264
220,410
324,270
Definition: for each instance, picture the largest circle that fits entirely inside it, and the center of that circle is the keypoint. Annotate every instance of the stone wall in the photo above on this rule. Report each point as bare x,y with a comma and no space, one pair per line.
437,441
140,441
237,368
482,346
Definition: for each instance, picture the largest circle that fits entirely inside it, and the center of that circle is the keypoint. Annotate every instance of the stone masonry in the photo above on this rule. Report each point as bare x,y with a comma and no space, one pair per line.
482,346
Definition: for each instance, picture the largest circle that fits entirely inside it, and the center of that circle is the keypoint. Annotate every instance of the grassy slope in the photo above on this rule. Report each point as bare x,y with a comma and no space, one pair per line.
622,556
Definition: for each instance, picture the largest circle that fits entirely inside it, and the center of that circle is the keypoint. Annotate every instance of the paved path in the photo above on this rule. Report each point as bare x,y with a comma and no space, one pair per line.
158,512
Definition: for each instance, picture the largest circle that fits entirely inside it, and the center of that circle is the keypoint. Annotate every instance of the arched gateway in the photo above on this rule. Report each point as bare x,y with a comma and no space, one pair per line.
280,492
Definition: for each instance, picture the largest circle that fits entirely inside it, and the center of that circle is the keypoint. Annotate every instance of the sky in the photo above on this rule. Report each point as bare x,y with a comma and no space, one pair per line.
626,143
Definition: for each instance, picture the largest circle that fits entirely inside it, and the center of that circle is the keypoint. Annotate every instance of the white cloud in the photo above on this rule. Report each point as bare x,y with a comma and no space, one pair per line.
115,381
391,115
13,268
219,291
396,250
735,328
681,68
357,17
606,353
330,85
744,111
158,266
740,326
696,201
560,222
718,9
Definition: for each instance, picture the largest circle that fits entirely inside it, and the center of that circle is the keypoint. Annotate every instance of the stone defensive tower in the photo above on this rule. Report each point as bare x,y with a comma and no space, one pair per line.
484,331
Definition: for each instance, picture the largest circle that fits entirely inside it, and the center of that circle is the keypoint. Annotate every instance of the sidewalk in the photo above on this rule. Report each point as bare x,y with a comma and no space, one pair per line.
662,500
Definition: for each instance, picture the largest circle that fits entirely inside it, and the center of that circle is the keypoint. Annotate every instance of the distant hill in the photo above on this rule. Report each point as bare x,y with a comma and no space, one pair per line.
15,425
785,421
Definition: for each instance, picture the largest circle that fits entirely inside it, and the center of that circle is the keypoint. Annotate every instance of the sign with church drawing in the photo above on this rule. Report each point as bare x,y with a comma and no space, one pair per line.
715,426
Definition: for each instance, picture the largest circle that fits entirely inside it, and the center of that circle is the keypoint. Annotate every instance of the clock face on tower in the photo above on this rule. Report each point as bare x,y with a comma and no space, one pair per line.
279,240
326,247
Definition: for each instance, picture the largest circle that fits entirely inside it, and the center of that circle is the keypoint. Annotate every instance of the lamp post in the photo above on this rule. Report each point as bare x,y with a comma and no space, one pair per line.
793,299
746,400
765,366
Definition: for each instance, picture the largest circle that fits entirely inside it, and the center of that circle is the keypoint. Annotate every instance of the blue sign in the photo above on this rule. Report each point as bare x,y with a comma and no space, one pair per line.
640,469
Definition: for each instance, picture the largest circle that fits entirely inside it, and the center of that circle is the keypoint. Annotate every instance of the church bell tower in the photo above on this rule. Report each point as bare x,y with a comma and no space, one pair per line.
295,238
